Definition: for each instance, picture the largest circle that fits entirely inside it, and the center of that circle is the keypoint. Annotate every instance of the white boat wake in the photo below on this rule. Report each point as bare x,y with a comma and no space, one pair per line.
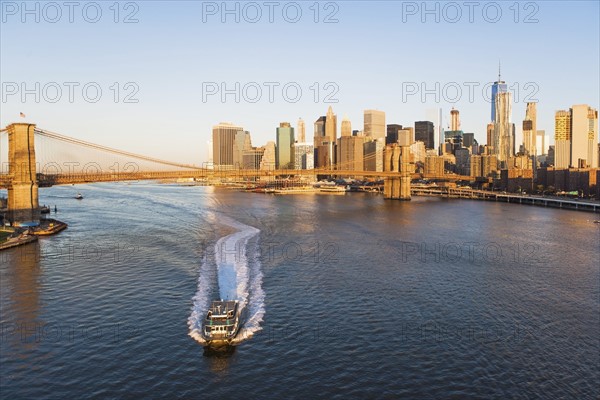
239,277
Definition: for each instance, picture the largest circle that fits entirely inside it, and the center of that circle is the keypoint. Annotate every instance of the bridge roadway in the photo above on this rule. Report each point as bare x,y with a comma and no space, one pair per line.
78,178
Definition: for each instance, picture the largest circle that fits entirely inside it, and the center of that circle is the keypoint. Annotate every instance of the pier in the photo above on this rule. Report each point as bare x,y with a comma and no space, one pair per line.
465,193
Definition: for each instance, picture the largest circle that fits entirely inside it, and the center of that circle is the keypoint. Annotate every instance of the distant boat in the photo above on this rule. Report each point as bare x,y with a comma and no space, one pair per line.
79,196
45,210
333,189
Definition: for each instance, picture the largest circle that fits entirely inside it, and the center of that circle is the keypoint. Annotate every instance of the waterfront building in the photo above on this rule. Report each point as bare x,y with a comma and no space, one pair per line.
303,155
268,160
463,159
350,153
434,166
373,154
489,165
475,166
241,143
252,158
284,154
225,138
326,155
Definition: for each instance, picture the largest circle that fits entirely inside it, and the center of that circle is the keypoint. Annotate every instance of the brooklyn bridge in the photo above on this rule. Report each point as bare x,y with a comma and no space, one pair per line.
38,158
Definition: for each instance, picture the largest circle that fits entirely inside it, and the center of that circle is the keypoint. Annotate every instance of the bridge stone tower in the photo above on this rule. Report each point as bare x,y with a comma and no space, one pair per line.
397,159
23,203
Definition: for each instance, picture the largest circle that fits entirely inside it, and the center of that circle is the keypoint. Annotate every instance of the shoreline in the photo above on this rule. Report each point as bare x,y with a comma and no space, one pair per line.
22,236
540,201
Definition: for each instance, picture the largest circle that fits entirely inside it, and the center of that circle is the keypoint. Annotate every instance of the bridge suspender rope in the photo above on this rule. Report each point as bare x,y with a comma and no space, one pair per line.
67,139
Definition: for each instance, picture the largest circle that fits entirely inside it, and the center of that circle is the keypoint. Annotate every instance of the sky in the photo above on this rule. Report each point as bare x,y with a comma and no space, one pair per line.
153,77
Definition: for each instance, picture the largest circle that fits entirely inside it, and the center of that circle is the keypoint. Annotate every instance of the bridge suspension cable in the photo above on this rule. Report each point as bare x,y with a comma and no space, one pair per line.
70,140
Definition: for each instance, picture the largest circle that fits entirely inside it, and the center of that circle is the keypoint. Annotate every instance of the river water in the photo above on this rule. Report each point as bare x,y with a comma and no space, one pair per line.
345,296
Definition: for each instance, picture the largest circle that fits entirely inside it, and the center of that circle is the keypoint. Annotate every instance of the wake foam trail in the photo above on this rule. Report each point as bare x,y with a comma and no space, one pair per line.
201,301
239,277
256,300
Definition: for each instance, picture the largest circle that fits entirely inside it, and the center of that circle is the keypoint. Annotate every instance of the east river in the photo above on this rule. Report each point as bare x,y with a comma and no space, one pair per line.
346,296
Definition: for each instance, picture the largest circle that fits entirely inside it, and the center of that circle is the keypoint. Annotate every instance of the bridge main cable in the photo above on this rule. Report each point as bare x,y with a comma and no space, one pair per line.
54,135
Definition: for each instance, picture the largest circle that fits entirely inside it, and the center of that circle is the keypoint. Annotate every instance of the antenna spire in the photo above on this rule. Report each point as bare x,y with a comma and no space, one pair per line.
499,71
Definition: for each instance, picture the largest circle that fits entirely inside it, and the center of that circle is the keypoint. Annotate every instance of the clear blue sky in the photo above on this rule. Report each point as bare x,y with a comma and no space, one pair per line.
372,52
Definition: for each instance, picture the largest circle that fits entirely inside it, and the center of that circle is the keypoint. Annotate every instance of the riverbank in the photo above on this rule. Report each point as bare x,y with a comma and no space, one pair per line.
18,236
9,239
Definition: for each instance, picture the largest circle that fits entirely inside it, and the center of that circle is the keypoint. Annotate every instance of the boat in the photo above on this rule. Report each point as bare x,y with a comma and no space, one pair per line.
44,209
333,189
222,322
79,196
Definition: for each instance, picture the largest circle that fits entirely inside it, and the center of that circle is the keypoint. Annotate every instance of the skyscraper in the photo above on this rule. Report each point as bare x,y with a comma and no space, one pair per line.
406,136
424,132
331,125
503,131
223,139
374,124
346,127
490,136
576,137
284,154
350,153
241,143
498,87
319,135
468,139
268,159
303,155
392,133
373,154
454,120
584,131
562,139
541,142
530,130
301,136
503,128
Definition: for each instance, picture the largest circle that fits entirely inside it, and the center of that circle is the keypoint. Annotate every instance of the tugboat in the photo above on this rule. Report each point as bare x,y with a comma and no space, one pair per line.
79,196
222,323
